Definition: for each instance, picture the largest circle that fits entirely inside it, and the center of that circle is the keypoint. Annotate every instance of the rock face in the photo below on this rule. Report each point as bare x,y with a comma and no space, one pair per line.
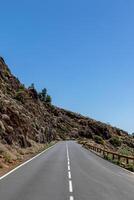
24,118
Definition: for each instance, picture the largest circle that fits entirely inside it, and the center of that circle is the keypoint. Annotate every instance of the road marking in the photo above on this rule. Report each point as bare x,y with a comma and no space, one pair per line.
70,186
71,198
69,175
68,167
68,154
2,177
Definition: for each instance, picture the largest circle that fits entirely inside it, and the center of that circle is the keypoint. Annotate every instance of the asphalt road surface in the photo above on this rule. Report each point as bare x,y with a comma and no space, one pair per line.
68,172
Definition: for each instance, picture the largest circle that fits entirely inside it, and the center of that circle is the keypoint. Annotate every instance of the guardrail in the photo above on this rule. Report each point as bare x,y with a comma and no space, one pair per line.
114,155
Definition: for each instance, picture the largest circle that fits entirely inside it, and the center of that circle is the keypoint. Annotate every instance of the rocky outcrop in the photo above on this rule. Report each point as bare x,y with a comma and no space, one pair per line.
24,118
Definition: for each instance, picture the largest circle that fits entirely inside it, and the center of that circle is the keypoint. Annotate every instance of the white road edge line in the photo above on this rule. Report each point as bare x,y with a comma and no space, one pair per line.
2,177
70,186
67,154
127,171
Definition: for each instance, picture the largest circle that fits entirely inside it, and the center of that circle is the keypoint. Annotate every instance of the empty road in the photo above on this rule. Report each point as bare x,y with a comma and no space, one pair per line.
68,172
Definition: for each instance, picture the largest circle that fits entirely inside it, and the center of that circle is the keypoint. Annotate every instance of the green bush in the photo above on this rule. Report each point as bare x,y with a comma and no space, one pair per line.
115,141
130,167
126,150
22,87
98,139
117,162
48,99
44,97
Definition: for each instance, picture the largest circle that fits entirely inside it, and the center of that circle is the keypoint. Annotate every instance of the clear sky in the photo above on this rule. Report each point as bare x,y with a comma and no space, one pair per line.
82,51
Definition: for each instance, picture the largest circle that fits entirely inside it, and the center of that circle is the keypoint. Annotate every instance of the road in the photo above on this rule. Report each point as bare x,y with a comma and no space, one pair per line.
68,172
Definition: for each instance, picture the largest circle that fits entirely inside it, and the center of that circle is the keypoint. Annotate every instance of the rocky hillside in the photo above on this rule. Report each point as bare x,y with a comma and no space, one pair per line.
26,122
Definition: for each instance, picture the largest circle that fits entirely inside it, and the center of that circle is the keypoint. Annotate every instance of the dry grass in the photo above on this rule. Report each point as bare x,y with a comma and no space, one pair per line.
10,156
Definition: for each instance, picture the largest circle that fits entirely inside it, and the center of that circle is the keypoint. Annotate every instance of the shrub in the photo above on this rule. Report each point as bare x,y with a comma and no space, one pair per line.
130,167
98,139
20,96
126,150
6,72
7,157
22,87
43,95
48,99
117,162
32,92
115,141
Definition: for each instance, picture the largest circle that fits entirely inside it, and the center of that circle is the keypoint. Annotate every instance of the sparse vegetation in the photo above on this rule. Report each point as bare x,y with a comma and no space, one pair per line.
115,141
48,99
130,167
125,150
113,157
7,157
33,92
20,96
22,87
44,97
32,124
98,139
43,94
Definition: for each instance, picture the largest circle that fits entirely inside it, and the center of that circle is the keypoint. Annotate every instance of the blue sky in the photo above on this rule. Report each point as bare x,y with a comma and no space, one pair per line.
82,51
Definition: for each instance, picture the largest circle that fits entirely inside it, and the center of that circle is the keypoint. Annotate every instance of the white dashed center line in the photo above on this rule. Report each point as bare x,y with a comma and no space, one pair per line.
70,186
69,176
71,198
68,167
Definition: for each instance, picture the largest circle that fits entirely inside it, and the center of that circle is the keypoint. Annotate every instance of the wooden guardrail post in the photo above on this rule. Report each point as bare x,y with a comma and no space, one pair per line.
113,154
127,161
119,158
